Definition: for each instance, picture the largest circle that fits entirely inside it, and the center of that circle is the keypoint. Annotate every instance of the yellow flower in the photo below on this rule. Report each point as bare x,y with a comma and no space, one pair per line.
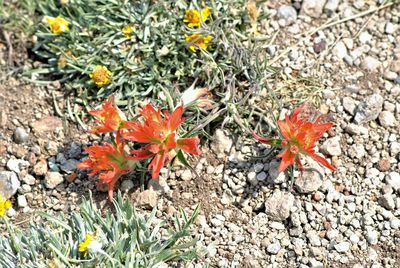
58,25
193,18
4,205
100,75
128,30
84,245
64,2
196,41
90,244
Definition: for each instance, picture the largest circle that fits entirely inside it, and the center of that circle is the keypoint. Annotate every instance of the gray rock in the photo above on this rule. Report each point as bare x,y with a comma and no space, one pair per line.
349,105
69,165
393,179
342,247
332,146
20,135
288,14
387,119
278,205
52,179
387,201
274,248
261,176
370,64
127,185
9,184
21,200
74,150
369,109
312,8
17,165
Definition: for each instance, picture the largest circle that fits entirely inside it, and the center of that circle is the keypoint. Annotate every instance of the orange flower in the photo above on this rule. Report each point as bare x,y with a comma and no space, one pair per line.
159,134
299,137
109,117
108,161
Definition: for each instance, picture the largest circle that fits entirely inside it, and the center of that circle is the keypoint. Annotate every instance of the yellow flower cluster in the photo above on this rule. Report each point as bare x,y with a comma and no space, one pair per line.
58,25
194,18
4,205
101,76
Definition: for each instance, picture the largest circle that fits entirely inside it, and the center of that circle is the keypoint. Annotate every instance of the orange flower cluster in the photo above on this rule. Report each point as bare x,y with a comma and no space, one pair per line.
299,138
157,134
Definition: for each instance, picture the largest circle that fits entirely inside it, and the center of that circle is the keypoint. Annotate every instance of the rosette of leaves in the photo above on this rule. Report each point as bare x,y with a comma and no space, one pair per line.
154,62
127,239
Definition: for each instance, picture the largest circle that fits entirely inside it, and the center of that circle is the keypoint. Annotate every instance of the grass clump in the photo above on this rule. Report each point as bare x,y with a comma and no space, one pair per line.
90,239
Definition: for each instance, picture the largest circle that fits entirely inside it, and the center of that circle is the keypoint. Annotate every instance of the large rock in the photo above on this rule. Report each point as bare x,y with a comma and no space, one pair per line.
369,109
278,205
9,184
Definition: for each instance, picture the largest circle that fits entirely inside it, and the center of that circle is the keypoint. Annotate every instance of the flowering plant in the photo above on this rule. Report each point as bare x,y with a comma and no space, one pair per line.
299,137
157,134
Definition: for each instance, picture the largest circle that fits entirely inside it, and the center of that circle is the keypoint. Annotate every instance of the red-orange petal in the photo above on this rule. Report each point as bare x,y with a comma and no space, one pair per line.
189,145
156,164
322,161
288,159
175,119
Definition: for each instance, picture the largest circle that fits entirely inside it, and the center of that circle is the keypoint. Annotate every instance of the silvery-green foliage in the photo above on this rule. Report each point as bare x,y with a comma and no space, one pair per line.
123,239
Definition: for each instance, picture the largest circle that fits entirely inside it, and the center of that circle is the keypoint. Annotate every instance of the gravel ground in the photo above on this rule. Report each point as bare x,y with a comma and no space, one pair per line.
251,216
